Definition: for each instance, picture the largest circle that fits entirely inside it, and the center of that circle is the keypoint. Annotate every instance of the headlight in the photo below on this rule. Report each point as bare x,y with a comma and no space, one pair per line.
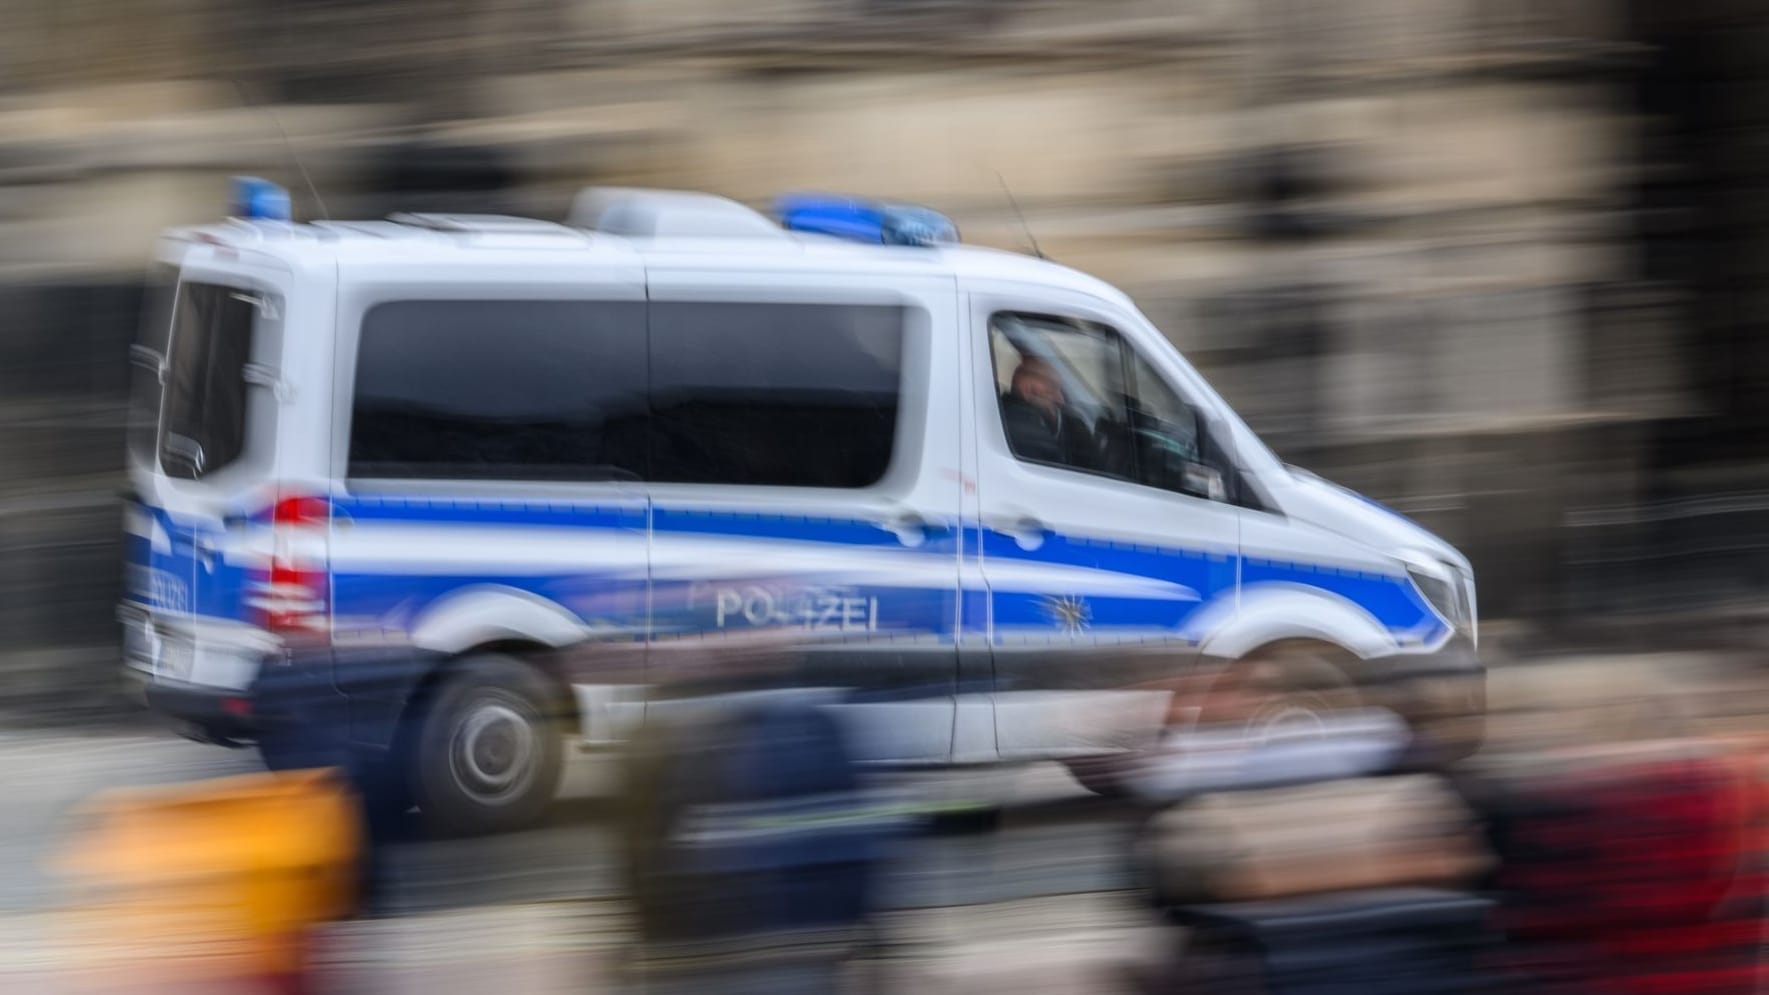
1444,593
1465,601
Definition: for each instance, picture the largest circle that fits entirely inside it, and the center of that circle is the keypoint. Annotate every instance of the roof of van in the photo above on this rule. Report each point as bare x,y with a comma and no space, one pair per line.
490,240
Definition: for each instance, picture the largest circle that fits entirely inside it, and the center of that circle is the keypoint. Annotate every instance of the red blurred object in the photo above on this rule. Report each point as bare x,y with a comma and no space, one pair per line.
1638,876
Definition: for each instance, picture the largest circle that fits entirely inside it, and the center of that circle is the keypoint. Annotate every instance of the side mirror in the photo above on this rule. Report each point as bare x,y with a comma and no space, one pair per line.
1203,481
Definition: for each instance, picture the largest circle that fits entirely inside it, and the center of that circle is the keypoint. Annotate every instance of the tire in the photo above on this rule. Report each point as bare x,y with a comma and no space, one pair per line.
487,748
1284,685
1103,776
1313,681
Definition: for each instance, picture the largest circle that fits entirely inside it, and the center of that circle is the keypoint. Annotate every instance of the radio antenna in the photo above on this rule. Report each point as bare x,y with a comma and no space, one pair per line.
288,146
1015,204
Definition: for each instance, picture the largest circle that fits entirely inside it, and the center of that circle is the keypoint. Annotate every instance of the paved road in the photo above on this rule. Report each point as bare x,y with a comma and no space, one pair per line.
1036,905
1032,902
1054,839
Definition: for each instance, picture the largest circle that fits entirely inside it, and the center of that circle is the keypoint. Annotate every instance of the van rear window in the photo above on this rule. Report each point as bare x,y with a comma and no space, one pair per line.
147,356
203,414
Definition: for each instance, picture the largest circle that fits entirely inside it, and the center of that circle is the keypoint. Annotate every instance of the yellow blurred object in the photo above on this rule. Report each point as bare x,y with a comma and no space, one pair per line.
212,880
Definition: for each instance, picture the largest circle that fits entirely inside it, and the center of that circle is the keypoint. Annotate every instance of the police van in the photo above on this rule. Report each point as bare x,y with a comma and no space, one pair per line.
997,513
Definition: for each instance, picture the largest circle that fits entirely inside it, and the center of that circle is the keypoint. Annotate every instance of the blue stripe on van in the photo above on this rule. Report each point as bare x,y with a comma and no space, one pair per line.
1390,598
595,597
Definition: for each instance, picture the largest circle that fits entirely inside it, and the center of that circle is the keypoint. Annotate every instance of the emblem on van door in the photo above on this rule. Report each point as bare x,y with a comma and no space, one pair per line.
1068,613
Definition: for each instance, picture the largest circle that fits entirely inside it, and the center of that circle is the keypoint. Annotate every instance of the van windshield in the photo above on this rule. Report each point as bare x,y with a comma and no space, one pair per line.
203,417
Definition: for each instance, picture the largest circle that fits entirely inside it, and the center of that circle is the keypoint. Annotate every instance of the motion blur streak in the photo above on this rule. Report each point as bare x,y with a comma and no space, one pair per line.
1498,264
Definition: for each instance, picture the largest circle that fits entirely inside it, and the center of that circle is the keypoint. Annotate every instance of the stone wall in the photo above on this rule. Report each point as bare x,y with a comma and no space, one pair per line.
1397,235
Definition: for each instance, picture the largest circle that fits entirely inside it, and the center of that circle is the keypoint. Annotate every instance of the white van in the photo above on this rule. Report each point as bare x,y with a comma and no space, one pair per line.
996,508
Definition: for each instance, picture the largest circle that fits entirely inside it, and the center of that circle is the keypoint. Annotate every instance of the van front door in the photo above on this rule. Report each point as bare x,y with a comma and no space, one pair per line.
1105,544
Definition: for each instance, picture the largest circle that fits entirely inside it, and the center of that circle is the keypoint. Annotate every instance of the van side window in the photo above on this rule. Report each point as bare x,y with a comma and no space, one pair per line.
203,421
1075,395
510,390
146,356
788,395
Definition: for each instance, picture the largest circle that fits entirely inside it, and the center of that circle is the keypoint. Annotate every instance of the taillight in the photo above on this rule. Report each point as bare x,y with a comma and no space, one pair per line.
291,598
301,511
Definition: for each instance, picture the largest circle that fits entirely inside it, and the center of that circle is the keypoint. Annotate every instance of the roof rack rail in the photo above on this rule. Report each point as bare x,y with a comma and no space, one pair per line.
480,224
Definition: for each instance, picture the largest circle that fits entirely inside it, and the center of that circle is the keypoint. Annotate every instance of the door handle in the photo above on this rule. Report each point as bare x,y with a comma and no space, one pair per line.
205,549
910,528
1022,528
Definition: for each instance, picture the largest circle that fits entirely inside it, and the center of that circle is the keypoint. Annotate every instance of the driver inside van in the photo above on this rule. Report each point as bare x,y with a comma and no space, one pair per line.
1040,425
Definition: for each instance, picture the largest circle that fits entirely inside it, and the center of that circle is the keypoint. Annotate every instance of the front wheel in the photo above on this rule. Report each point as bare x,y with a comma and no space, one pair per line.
1104,776
488,748
1287,689
1284,693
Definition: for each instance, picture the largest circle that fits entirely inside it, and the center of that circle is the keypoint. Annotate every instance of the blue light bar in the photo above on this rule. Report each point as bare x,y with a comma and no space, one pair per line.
259,200
866,221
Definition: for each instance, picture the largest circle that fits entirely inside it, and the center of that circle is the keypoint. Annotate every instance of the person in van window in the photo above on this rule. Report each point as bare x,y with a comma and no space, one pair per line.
1040,425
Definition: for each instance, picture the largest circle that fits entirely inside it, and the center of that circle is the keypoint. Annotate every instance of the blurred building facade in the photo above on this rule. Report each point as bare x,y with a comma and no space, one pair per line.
1491,261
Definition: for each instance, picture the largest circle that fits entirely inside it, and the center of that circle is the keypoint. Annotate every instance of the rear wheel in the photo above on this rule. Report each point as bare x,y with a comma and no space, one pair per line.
488,748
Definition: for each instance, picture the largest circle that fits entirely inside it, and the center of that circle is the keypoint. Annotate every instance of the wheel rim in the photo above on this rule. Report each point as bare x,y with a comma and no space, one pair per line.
1263,706
494,751
1288,717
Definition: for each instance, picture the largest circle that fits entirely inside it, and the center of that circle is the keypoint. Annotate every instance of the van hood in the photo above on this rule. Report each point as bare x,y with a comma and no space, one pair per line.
1320,502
